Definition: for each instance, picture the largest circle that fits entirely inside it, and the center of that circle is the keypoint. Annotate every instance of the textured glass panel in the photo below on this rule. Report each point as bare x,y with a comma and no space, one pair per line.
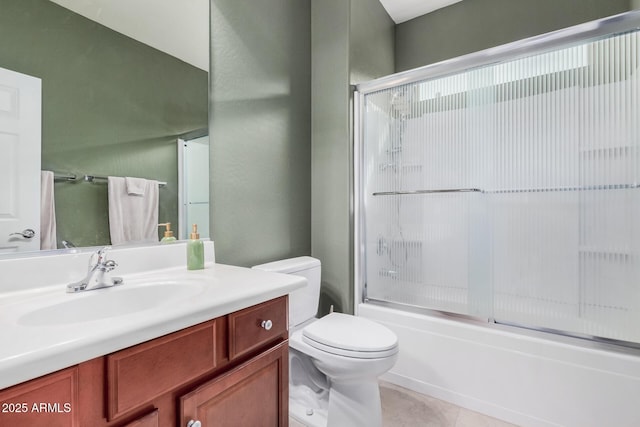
535,166
417,246
564,233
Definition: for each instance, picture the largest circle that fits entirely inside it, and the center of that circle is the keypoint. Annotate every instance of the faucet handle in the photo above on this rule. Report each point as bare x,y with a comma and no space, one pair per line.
108,265
101,255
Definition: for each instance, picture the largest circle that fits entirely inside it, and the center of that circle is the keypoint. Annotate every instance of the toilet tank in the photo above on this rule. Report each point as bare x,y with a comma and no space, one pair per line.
303,303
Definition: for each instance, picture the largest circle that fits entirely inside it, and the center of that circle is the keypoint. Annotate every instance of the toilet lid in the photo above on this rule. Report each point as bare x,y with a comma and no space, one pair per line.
350,336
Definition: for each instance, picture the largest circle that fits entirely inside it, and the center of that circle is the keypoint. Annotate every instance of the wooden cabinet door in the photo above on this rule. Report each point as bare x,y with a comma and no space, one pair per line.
139,374
255,394
49,401
149,420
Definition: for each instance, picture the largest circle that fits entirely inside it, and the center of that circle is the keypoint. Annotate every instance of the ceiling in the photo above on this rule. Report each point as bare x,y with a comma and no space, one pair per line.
404,10
181,28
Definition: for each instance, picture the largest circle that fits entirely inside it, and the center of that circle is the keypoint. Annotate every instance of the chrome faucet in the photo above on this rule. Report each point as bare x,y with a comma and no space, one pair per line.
99,273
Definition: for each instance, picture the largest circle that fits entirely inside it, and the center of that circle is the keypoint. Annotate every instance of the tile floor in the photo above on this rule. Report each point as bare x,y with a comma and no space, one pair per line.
405,408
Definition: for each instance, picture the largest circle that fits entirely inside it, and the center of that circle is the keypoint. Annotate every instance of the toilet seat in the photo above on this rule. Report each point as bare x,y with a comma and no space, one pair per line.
350,336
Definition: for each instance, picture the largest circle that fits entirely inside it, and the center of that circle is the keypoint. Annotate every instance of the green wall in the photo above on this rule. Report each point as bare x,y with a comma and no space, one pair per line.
281,129
110,106
330,212
260,127
473,25
371,43
352,41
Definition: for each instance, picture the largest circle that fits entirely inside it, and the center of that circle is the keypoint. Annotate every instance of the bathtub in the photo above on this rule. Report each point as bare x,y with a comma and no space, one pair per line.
528,378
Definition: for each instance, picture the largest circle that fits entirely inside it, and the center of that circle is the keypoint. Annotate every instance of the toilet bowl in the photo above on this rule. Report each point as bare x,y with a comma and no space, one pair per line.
334,361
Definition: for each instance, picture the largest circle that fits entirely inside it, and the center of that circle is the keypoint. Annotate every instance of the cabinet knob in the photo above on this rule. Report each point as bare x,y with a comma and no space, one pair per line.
267,324
193,423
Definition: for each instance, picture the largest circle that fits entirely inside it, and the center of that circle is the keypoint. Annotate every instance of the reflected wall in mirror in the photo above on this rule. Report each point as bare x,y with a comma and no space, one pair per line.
111,105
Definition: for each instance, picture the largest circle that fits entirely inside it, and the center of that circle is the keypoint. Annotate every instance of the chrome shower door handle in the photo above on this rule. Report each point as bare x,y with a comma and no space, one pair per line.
27,233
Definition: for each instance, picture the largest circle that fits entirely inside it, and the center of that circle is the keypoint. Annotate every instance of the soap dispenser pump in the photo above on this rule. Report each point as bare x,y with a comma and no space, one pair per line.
168,233
195,250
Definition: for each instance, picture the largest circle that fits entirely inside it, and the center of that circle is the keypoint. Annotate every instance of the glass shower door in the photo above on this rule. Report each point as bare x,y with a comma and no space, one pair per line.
510,191
194,185
424,210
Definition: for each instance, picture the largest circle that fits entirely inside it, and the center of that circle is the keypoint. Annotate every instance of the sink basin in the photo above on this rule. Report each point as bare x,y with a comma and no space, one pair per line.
110,302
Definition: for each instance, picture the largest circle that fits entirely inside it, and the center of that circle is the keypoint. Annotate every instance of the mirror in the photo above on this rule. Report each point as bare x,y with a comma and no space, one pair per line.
111,105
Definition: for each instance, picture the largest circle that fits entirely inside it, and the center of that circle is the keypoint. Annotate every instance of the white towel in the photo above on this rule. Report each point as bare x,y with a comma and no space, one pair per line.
47,212
133,218
135,186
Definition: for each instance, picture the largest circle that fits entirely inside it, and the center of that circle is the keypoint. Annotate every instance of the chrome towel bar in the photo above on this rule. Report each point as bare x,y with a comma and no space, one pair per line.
92,178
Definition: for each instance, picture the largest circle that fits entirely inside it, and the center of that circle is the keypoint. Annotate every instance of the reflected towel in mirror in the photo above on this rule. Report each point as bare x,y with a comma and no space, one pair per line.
133,217
47,212
135,186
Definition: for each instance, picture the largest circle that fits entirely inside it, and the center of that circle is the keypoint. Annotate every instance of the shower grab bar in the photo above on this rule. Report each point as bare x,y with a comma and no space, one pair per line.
449,190
515,190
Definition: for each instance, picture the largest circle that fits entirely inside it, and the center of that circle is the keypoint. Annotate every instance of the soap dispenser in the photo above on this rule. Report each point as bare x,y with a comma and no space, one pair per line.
195,250
168,234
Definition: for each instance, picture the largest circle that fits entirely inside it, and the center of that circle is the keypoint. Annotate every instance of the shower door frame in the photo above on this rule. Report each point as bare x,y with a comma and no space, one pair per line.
575,35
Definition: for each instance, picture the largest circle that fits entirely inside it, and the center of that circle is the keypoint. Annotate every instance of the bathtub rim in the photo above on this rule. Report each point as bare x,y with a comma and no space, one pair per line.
545,335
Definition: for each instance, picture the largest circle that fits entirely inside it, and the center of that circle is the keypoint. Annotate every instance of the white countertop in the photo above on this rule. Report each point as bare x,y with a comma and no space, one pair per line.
31,349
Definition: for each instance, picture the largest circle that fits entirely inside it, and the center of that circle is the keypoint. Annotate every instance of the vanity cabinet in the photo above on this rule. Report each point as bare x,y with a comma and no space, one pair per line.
140,374
229,371
50,401
253,394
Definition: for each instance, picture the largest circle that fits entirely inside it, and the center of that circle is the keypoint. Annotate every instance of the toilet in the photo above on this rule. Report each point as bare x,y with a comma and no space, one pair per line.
334,361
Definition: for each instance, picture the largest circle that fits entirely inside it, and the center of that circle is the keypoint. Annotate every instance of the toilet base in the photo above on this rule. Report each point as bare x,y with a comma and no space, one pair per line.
308,391
345,388
355,404
299,412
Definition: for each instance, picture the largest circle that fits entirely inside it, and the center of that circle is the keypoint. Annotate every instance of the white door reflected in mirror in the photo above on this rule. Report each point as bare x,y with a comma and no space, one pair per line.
20,134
